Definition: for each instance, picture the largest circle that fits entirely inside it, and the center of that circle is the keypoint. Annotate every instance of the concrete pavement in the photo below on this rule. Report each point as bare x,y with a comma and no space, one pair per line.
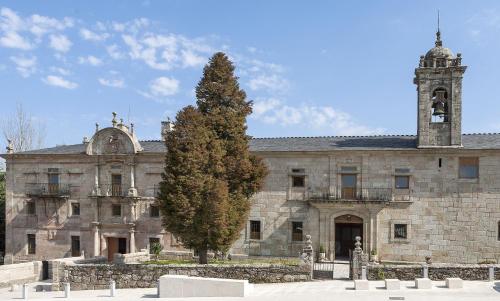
305,291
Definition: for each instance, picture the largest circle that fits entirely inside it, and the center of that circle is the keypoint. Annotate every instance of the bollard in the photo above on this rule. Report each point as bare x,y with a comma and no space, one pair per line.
112,288
363,273
66,290
25,291
158,288
491,271
426,271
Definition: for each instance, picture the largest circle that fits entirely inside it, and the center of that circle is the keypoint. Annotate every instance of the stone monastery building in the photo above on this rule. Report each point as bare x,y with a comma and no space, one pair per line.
434,194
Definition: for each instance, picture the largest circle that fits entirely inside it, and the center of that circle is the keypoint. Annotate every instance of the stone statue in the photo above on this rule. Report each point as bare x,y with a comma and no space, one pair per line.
307,255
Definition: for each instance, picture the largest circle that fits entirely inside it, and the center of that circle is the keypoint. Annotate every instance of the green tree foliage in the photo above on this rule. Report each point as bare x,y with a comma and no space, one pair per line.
210,174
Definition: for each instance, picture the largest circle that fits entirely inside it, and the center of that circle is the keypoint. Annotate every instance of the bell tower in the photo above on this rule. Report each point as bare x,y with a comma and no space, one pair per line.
439,87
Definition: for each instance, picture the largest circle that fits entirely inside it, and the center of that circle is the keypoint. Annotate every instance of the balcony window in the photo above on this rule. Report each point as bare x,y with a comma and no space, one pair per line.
400,231
75,246
53,183
30,208
348,186
75,209
116,210
255,230
298,181
154,211
402,182
31,244
297,231
116,185
468,168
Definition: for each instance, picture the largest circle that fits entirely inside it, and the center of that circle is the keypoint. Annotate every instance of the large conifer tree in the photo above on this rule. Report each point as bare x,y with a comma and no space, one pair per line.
210,174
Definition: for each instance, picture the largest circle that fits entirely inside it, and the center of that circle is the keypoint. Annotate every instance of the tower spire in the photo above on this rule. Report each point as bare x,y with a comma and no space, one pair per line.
438,43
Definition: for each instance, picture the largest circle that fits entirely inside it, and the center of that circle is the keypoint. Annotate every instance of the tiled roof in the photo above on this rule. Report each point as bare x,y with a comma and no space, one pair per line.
311,144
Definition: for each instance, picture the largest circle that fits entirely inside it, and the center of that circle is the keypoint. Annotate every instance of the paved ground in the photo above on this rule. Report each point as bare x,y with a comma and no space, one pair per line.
306,291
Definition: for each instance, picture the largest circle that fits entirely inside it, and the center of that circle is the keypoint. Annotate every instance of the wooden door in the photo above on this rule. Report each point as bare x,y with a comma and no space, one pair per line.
345,237
112,247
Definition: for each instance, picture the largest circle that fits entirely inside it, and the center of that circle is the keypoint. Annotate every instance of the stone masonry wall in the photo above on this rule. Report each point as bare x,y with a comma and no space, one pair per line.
436,272
97,276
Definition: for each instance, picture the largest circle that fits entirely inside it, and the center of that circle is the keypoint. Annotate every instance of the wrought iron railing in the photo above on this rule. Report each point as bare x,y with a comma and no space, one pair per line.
116,190
360,194
48,189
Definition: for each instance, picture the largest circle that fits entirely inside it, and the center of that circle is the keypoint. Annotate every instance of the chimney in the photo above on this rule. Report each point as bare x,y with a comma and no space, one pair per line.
166,126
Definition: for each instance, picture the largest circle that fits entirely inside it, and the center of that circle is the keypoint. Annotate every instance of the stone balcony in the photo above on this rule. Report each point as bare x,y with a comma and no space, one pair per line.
336,194
50,190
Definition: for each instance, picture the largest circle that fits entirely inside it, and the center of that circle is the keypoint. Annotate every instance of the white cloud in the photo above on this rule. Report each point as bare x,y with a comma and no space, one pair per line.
273,111
164,86
91,60
61,71
273,83
114,83
40,25
58,81
160,88
14,40
114,52
93,36
60,42
164,52
25,66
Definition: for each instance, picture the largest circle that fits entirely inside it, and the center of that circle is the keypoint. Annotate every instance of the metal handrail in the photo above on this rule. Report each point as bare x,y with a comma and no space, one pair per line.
48,189
360,194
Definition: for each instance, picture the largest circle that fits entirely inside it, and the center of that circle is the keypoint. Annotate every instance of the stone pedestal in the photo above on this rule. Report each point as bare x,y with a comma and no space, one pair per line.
454,283
361,285
423,283
392,284
180,286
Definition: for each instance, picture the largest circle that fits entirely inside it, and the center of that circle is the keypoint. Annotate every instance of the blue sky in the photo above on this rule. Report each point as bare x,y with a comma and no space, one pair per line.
313,68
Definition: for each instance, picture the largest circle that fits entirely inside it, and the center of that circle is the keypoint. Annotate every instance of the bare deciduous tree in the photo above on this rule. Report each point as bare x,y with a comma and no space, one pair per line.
24,131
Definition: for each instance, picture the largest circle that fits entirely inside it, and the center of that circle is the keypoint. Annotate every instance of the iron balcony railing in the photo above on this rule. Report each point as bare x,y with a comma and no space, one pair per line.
48,189
115,190
359,194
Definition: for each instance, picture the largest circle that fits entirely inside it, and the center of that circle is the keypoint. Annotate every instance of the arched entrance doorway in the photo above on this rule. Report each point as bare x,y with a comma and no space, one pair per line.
347,227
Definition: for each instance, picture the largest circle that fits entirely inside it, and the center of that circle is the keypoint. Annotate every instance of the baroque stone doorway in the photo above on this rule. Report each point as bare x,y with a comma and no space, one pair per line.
347,227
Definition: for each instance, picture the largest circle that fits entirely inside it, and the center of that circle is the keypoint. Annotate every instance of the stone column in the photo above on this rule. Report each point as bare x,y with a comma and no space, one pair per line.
104,245
97,247
132,240
132,191
97,189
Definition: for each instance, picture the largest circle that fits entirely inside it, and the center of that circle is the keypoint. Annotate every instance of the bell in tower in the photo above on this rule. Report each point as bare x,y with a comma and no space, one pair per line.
439,86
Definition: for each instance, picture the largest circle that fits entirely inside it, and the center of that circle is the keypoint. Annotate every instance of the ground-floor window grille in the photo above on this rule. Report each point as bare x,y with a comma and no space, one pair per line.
75,246
400,231
255,230
297,231
31,244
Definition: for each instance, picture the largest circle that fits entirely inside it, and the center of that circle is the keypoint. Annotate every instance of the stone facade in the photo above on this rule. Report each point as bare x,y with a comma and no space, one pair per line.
435,194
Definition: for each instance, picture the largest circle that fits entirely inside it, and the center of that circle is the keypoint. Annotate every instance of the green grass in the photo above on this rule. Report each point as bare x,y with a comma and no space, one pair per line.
276,261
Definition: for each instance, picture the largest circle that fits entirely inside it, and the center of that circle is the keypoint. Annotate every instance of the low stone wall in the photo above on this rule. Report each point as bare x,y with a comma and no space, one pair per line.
97,276
435,272
131,257
20,273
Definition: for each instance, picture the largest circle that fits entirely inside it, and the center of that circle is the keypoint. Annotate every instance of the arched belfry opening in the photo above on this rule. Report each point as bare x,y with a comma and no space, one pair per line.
347,227
440,110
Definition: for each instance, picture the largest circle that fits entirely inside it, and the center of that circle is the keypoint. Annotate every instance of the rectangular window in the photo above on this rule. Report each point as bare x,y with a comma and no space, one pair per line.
30,208
255,230
75,209
468,168
31,244
75,246
349,182
116,209
154,211
297,231
402,182
298,181
116,185
400,231
152,241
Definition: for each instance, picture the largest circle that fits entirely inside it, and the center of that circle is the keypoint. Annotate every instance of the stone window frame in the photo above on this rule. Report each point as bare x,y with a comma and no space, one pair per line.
112,210
392,228
297,172
248,231
71,209
290,232
466,179
27,235
151,205
27,203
